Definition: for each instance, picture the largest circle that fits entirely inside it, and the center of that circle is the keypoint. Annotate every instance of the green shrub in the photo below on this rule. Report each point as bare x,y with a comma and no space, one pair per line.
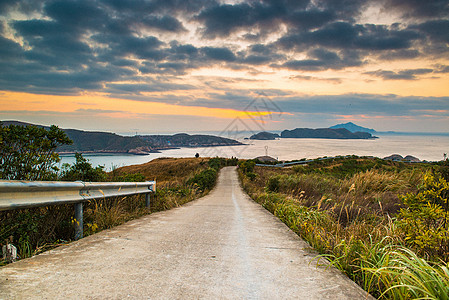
425,220
204,180
273,184
247,166
251,175
217,162
233,161
82,170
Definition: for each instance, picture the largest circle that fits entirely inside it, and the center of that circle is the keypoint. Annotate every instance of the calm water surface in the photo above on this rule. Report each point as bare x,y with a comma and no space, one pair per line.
429,148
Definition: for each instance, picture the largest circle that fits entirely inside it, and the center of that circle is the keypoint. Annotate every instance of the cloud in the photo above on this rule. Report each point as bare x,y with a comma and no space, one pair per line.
313,78
418,8
218,53
96,111
139,88
167,23
400,54
410,74
344,35
437,30
76,14
321,59
363,104
132,48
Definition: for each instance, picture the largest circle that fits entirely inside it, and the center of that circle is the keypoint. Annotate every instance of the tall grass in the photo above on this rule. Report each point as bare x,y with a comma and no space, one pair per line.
401,274
348,214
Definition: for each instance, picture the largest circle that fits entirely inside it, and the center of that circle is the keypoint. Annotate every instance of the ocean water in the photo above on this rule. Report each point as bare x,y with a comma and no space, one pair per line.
430,148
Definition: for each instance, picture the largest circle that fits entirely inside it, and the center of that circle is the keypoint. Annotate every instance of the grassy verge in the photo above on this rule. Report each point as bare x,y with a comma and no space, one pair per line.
351,210
178,181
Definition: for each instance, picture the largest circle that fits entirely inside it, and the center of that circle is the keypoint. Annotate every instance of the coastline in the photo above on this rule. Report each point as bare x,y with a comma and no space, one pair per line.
141,152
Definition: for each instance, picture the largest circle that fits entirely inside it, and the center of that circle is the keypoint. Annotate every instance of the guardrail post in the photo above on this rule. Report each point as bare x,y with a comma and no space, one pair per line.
147,200
78,221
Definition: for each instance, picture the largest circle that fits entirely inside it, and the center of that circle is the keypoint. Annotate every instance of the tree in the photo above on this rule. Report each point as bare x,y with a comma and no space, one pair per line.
82,170
28,152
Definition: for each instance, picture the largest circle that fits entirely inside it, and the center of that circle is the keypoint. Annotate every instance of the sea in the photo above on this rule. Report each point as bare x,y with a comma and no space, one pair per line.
427,147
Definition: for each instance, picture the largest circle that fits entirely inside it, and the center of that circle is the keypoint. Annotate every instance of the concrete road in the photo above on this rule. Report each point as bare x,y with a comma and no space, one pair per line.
222,246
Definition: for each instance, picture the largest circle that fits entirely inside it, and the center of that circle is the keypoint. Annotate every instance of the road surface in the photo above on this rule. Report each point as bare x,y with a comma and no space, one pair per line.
222,246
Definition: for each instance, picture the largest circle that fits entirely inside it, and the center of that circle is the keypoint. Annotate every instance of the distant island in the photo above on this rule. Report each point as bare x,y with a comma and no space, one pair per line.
340,131
106,142
353,128
325,133
264,136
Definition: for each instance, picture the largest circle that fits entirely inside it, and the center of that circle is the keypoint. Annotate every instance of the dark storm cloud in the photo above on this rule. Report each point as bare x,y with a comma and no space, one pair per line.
76,14
344,35
221,20
24,6
345,10
259,54
153,86
436,30
420,8
321,59
411,74
167,23
266,16
225,19
218,53
399,54
9,49
310,19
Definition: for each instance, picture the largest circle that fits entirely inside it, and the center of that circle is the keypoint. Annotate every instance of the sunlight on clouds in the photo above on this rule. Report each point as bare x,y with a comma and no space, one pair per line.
10,101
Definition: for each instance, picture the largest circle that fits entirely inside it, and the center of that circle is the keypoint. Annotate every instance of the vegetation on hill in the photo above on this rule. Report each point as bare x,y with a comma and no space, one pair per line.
187,140
384,223
106,142
88,141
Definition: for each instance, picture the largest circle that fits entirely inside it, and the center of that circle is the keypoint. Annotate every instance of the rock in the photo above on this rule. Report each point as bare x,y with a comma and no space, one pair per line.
394,157
410,158
9,252
397,157
266,158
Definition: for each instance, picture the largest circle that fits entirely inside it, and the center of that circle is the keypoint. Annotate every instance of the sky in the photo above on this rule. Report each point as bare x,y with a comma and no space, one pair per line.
156,66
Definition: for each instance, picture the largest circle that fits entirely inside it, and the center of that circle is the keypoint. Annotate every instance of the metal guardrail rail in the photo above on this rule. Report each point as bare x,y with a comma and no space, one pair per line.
293,163
16,194
303,162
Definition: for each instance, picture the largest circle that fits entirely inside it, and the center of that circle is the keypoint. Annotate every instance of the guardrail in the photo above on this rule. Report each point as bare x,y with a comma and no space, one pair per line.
16,194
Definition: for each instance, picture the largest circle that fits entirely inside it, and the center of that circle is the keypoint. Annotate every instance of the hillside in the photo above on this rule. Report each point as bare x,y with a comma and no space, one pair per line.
187,140
107,142
264,136
353,127
325,133
166,170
